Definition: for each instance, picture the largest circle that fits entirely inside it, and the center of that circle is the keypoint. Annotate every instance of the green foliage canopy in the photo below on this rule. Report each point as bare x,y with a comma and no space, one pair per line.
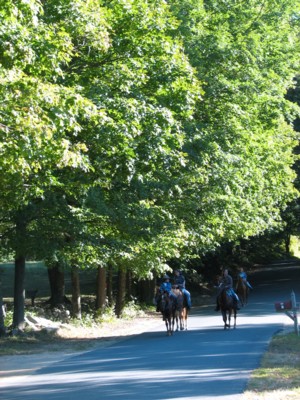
136,131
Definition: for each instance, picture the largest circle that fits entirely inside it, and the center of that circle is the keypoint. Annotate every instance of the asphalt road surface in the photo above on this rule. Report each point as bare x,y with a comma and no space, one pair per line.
206,362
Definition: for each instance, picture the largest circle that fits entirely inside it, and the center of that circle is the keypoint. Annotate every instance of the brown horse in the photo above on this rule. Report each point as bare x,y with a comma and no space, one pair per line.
168,311
242,291
228,307
166,304
181,310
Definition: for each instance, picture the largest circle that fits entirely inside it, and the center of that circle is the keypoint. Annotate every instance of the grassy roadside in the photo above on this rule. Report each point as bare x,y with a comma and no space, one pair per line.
43,342
278,377
77,336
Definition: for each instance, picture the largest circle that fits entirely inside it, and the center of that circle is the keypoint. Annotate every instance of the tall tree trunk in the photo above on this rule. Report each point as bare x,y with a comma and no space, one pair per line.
57,285
287,241
101,290
76,299
121,294
19,294
129,286
19,282
146,291
110,296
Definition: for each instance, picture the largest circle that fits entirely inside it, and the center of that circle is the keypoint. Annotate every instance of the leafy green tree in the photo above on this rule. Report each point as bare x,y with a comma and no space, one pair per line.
241,139
37,116
97,115
146,92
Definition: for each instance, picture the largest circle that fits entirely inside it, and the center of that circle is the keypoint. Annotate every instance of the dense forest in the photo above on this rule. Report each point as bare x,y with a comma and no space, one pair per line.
139,135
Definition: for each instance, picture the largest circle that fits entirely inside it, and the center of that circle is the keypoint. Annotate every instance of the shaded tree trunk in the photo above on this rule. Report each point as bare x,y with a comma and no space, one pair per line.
146,291
287,242
57,286
110,296
121,293
129,286
101,290
19,294
76,299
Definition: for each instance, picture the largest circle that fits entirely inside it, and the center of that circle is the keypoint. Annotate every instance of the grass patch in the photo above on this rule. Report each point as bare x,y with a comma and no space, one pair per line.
27,343
278,377
72,335
68,340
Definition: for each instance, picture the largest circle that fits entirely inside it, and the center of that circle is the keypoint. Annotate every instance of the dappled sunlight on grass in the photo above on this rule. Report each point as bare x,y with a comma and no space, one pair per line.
275,378
273,394
278,378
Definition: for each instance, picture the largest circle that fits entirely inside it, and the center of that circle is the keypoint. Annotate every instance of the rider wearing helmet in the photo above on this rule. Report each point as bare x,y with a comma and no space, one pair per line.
179,281
166,284
227,284
243,275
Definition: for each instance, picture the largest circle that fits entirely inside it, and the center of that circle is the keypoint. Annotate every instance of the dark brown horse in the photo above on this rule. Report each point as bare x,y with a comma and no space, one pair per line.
166,304
242,290
228,308
168,311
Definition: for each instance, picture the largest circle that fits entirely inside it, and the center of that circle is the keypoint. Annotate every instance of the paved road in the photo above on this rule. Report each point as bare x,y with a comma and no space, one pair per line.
204,363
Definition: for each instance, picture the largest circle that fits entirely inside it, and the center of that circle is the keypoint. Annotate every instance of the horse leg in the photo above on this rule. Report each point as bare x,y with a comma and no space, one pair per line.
247,294
242,300
168,320
234,316
186,322
167,325
176,320
226,319
224,316
182,319
173,322
181,323
170,326
185,316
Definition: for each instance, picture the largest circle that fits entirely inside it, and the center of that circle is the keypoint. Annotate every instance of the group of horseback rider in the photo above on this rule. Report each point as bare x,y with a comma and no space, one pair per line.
226,283
178,283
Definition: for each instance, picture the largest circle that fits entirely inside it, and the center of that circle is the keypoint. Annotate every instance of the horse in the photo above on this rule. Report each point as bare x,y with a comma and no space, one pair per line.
166,304
242,291
181,310
228,307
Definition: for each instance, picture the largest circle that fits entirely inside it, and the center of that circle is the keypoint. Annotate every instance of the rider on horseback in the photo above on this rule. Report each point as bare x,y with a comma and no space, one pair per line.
166,285
243,275
227,284
179,280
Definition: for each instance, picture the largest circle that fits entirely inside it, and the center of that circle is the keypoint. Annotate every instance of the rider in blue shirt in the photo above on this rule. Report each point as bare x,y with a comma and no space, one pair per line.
179,280
243,275
166,286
